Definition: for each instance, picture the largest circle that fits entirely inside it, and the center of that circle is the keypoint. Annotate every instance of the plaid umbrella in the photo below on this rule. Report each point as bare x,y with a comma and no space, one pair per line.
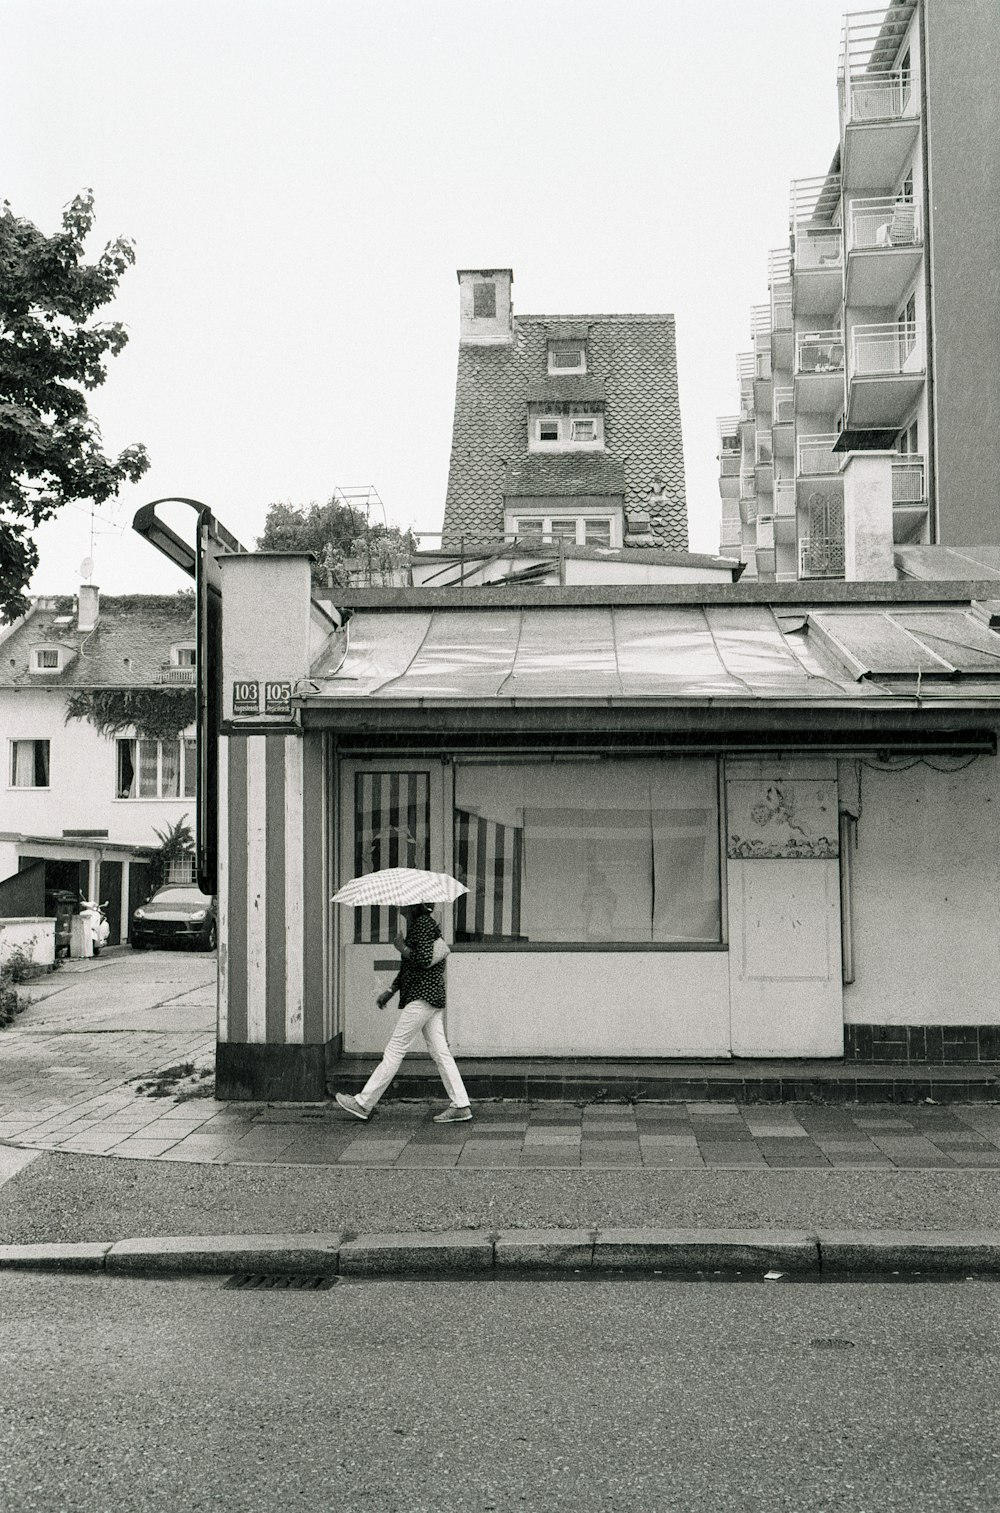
399,886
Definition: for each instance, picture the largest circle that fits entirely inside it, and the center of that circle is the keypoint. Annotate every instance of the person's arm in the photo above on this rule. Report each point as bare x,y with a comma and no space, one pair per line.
393,988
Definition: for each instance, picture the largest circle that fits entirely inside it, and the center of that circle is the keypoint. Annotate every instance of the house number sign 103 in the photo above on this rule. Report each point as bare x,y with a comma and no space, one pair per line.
247,697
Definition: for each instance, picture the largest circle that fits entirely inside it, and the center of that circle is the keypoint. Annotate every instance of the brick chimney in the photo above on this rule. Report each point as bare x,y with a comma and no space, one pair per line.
485,306
88,607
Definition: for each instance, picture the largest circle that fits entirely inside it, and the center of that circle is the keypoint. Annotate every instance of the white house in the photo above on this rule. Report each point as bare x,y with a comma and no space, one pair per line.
97,740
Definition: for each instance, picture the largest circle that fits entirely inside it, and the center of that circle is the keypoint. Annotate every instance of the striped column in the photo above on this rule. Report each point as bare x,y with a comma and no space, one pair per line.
271,905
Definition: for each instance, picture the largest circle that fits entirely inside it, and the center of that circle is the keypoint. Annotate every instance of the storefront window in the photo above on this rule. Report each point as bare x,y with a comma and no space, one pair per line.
588,853
392,828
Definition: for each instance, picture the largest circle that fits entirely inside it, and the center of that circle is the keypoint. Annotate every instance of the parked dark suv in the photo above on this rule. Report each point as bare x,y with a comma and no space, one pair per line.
179,914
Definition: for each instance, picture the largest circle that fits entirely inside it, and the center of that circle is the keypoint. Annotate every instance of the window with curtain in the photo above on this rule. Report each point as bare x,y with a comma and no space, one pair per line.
589,853
156,769
392,828
29,764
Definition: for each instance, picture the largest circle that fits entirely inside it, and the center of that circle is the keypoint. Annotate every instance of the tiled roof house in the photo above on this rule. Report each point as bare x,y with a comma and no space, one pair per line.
566,427
81,808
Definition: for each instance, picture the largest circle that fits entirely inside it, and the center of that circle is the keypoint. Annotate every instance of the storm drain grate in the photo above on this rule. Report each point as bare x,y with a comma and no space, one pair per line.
279,1281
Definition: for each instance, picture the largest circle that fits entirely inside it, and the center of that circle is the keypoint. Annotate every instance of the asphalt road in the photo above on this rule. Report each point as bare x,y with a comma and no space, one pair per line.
406,1397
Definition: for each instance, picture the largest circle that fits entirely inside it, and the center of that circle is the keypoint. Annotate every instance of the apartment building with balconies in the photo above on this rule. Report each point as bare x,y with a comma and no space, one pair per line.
883,316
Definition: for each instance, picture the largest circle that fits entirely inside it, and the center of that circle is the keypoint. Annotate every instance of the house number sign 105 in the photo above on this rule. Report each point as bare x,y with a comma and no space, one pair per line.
247,697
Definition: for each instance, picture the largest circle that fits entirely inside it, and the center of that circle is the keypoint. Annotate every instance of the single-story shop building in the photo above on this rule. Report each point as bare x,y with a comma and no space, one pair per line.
700,820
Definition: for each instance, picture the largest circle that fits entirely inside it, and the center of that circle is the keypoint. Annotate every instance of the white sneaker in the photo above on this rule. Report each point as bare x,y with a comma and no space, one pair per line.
352,1106
453,1114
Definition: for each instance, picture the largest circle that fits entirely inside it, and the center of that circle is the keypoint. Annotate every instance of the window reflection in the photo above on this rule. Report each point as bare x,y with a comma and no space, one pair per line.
577,853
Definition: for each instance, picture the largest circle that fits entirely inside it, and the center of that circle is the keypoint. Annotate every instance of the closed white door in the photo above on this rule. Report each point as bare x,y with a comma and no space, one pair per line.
786,983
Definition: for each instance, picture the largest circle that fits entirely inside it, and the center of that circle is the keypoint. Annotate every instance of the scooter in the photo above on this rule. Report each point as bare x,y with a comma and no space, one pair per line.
94,921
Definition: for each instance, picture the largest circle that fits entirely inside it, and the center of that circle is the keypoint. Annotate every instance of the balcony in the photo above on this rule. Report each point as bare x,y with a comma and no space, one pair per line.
884,250
782,337
816,458
764,461
175,676
885,374
765,531
748,499
817,243
879,96
784,499
784,512
821,558
909,497
746,369
783,422
819,371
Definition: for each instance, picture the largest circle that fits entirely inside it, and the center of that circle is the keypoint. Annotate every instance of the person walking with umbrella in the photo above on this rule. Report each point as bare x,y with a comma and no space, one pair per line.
420,983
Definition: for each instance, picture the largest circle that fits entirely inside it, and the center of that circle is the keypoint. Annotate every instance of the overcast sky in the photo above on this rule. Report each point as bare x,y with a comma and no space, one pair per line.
302,178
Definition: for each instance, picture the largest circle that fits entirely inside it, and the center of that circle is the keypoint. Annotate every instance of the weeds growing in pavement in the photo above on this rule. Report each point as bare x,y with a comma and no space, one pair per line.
18,966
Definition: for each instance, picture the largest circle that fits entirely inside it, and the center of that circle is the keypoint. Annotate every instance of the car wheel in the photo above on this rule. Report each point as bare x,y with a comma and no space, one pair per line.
96,951
211,939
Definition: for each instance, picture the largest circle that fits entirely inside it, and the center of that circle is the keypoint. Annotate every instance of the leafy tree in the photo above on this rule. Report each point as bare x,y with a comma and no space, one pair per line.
51,351
337,535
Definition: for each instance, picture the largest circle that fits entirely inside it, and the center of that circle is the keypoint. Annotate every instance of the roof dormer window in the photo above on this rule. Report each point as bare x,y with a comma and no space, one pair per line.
567,357
564,432
182,656
47,659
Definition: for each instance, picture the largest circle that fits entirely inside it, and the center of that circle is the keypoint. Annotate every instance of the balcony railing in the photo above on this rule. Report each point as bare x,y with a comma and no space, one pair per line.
881,97
729,464
175,675
817,458
817,249
764,453
819,352
908,480
784,406
779,266
883,223
821,558
748,488
784,498
781,315
886,350
760,322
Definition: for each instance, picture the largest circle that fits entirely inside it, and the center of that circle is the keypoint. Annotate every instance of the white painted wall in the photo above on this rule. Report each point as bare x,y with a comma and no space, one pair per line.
36,937
926,897
559,1003
82,774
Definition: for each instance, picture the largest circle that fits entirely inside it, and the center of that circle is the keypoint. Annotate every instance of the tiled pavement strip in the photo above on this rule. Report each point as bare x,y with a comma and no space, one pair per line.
542,1135
69,1068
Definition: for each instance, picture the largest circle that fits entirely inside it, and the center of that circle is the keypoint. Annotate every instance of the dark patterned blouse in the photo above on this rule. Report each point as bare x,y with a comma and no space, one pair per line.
416,977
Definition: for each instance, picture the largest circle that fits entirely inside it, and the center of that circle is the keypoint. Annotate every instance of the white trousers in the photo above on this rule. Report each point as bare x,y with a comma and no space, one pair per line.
417,1017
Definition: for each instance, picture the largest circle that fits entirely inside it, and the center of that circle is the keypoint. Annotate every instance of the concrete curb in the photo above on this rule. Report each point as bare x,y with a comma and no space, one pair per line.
605,1252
